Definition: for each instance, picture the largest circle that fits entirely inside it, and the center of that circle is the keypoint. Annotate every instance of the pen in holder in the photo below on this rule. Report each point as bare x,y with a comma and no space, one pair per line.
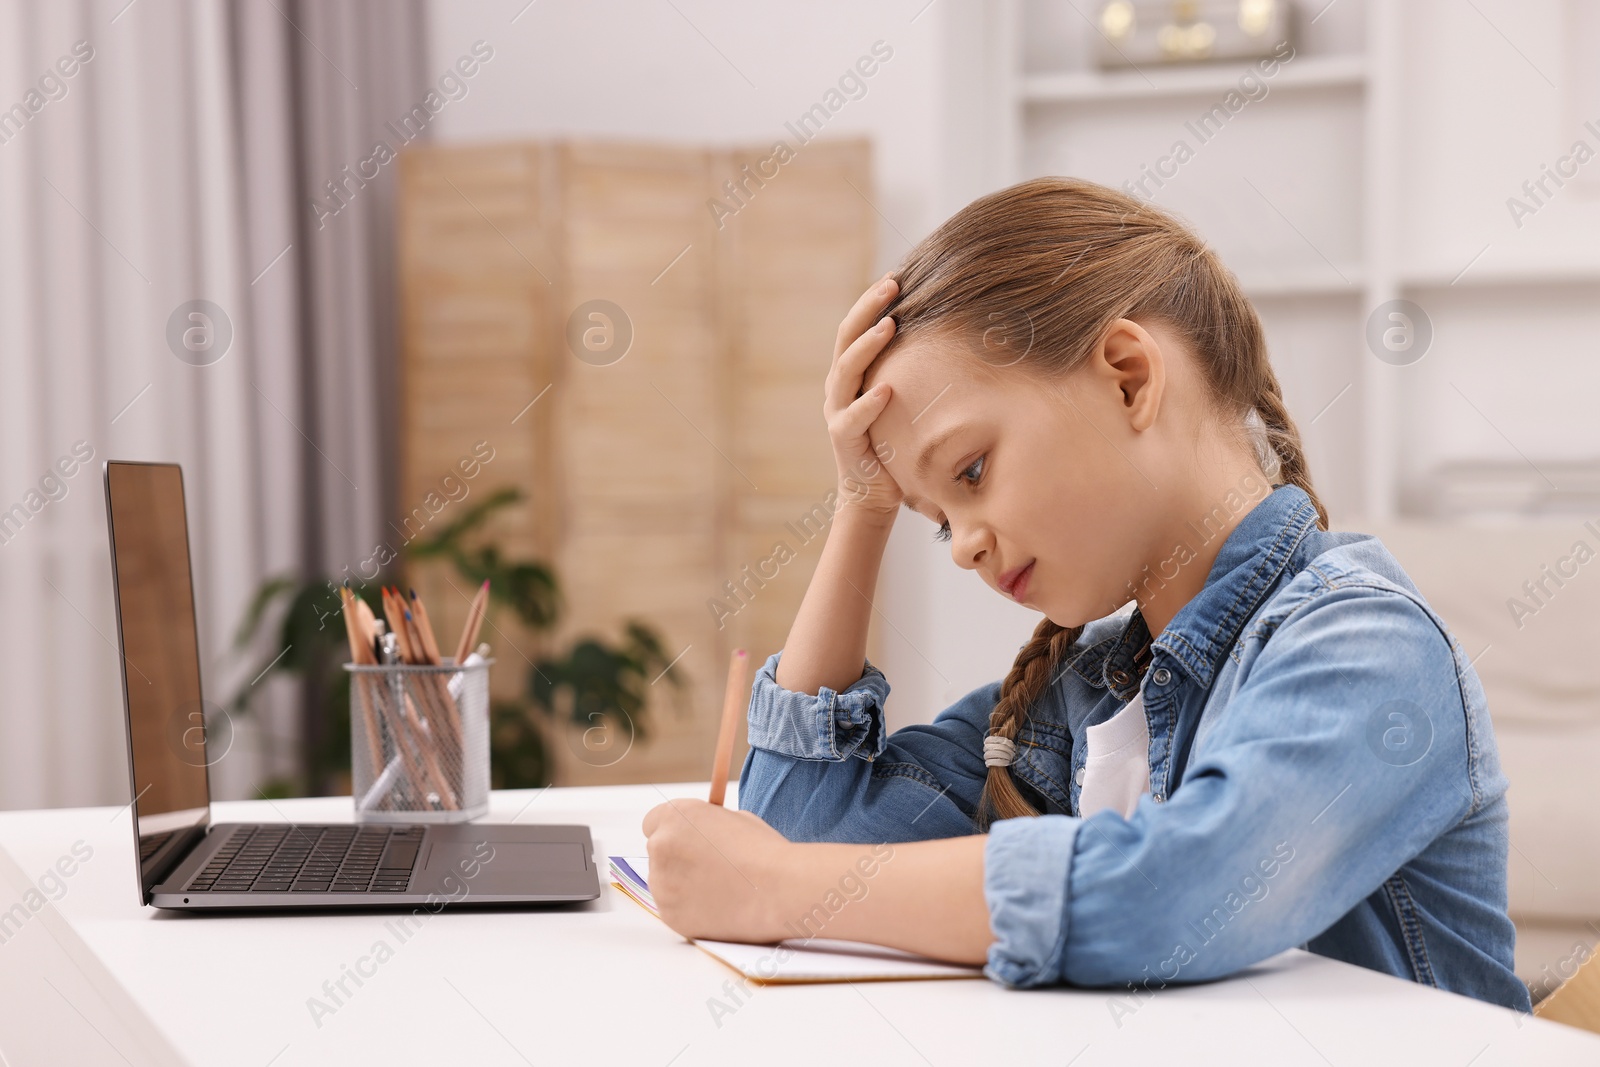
419,740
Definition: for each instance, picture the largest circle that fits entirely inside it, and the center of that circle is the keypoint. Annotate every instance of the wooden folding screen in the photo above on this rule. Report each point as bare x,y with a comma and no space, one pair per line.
697,459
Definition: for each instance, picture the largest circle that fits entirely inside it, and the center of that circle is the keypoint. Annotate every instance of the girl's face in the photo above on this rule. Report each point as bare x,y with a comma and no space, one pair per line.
1046,488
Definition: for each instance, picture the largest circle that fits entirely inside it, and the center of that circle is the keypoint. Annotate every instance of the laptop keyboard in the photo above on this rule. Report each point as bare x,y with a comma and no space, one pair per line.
311,859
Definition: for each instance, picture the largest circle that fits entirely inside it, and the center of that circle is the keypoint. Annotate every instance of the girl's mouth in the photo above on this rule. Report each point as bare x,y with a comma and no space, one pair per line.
1015,583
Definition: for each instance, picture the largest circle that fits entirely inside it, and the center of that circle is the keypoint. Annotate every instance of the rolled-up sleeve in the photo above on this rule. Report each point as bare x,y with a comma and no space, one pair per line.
828,726
823,766
1026,869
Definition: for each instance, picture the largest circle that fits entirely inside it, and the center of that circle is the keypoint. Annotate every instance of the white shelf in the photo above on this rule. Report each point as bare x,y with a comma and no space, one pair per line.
1093,87
1504,277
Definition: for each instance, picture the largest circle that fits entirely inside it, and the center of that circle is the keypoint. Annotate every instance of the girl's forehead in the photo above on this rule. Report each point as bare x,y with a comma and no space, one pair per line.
925,377
922,364
921,405
940,385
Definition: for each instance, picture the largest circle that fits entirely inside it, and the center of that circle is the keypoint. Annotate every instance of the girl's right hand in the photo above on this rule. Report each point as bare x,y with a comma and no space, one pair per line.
864,482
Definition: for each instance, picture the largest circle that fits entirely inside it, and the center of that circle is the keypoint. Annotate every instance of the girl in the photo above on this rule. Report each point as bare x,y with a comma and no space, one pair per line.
1280,744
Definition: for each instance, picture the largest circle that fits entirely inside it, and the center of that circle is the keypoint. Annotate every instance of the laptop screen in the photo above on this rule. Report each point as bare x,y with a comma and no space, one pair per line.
160,659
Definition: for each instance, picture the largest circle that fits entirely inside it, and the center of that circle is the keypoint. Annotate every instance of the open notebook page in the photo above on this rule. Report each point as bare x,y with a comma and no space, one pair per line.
796,960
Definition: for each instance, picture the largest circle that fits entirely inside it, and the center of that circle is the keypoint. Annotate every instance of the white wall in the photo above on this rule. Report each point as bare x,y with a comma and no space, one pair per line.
721,71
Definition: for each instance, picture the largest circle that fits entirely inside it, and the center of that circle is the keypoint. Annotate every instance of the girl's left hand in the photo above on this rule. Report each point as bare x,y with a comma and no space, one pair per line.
714,872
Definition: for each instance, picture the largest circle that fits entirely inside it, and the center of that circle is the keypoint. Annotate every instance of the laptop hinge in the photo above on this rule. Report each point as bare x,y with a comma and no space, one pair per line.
176,854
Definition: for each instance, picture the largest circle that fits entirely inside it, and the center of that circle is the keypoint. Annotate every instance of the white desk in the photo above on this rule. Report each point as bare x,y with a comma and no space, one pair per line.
95,978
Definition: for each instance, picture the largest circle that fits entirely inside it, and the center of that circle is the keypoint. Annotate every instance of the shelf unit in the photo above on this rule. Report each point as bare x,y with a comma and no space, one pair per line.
1089,87
1040,105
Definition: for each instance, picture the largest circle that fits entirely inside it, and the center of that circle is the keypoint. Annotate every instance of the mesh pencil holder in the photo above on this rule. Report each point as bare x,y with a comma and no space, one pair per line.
419,742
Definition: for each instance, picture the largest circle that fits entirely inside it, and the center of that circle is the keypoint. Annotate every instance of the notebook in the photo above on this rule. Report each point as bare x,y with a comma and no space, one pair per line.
814,959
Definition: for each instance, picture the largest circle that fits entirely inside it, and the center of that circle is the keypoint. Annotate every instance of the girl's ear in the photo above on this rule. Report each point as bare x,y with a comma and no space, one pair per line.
1136,365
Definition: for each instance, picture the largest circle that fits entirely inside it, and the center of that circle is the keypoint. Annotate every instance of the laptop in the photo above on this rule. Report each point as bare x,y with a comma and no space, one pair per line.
188,863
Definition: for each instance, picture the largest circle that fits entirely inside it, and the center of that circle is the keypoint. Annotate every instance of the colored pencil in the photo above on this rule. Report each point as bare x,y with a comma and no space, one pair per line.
419,612
430,647
394,610
367,625
475,615
361,653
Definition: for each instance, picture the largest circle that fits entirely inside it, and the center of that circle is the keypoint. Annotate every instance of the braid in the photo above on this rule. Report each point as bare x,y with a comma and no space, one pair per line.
1242,373
1024,684
1284,438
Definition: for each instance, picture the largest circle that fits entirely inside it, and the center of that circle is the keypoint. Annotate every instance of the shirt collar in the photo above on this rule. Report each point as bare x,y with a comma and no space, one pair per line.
1248,564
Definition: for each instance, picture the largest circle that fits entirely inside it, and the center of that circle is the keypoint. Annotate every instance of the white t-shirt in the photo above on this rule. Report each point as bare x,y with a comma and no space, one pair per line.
1116,771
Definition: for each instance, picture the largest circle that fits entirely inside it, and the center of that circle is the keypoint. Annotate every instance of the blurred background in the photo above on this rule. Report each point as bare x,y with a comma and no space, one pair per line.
424,292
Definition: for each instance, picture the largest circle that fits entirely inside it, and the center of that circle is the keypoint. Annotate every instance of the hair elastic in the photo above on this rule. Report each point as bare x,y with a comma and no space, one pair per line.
999,751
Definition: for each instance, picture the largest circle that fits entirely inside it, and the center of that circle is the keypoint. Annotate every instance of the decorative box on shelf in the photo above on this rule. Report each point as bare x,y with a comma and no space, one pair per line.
1185,31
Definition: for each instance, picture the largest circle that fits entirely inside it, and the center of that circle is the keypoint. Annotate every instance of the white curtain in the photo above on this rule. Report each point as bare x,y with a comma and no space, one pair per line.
161,152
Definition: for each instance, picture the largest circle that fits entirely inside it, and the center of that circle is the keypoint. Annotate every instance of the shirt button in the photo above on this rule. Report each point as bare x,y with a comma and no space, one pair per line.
1162,676
1120,677
1079,776
1158,798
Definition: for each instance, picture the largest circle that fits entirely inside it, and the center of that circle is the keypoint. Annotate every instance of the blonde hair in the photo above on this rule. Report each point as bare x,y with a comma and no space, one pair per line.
1035,274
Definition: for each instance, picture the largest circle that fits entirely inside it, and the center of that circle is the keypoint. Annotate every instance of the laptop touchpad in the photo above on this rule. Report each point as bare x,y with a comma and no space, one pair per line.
506,857
556,857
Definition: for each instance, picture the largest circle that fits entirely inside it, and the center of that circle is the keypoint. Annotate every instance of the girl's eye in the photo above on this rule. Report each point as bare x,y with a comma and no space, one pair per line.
972,475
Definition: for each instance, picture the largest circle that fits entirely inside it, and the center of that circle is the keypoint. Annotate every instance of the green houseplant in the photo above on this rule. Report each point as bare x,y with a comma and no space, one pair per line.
595,684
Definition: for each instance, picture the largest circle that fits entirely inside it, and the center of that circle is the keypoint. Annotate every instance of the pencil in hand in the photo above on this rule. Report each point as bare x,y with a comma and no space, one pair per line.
734,701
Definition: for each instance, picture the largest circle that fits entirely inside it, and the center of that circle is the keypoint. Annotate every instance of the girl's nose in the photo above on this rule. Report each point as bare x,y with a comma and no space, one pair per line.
969,545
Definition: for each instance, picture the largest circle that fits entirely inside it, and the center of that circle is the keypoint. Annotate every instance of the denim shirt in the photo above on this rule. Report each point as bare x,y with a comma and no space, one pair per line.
1323,775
